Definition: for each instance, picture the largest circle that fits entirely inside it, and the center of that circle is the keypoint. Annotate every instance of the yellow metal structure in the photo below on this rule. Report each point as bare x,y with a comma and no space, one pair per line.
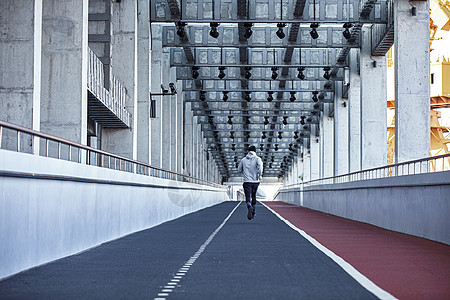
439,88
439,144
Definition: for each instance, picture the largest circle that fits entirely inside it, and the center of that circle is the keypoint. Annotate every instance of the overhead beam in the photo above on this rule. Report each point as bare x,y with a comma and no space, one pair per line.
262,37
263,11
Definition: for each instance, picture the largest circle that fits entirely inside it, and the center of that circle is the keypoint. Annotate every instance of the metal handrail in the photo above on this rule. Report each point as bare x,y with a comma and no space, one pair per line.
119,162
418,166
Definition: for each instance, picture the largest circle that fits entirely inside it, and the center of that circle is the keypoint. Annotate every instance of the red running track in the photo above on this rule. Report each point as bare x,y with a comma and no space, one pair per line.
406,266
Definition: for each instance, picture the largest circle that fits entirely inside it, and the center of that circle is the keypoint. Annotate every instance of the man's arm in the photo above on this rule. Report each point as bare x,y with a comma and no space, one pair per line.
240,167
260,167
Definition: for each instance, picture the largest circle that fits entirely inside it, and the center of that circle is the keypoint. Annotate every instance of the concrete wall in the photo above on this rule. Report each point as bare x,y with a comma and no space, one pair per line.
44,218
416,204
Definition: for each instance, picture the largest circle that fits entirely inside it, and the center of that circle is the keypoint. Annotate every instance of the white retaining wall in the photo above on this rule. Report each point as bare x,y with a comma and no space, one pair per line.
415,204
43,217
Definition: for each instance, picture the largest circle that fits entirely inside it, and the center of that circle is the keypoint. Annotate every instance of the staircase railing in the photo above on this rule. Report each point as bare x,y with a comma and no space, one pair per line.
115,98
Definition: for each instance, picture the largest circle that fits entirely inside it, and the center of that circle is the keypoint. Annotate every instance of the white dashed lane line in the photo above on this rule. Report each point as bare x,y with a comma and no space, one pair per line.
176,279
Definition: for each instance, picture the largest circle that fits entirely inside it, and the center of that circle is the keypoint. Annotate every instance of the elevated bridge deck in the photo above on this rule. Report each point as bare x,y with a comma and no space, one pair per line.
286,252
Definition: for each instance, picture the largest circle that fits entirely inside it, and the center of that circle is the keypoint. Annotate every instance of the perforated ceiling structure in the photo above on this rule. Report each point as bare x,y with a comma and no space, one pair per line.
256,74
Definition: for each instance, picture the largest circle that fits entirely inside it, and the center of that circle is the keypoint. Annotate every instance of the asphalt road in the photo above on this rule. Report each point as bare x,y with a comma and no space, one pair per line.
202,255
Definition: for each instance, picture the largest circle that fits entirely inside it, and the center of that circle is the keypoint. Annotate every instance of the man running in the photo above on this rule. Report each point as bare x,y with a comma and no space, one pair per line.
251,166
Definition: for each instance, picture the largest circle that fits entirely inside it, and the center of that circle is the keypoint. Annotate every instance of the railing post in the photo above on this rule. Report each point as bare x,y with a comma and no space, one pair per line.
18,141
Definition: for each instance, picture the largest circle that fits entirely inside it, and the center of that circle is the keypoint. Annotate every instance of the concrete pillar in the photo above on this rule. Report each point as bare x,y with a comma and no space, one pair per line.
188,140
166,122
373,105
327,145
64,69
155,78
307,166
20,64
295,170
195,146
300,166
180,128
314,147
124,68
174,132
412,80
340,133
354,112
143,82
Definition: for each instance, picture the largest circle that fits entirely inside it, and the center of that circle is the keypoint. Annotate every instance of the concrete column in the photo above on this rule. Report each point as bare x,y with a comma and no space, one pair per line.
202,154
300,166
340,133
314,146
307,166
174,133
143,82
373,105
354,113
295,170
195,146
188,140
166,122
20,52
174,121
180,129
155,78
412,80
64,69
124,68
327,141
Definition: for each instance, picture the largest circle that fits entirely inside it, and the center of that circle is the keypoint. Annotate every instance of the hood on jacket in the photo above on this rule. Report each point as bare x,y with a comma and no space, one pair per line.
250,155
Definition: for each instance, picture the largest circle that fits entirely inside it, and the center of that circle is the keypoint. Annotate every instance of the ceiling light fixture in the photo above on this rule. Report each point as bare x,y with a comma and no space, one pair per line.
292,98
247,97
326,75
225,96
280,32
195,72
270,97
213,32
202,95
314,98
180,29
313,31
346,33
248,74
274,73
248,31
300,75
302,120
222,72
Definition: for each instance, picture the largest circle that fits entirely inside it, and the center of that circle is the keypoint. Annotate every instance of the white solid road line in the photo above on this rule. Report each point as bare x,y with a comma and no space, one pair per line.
183,270
363,280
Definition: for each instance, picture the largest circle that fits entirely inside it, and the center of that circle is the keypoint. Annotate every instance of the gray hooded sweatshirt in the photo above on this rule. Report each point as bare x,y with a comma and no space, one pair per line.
251,166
